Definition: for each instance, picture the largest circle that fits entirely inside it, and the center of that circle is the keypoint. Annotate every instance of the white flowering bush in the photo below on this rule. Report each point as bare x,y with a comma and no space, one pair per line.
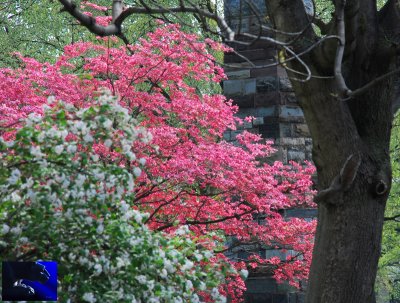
67,186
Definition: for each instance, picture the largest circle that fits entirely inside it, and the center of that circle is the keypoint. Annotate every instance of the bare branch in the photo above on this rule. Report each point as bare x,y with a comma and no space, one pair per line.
341,84
89,22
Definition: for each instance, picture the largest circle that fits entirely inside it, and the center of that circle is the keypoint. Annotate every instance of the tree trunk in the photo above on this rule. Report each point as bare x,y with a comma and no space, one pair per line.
351,153
351,137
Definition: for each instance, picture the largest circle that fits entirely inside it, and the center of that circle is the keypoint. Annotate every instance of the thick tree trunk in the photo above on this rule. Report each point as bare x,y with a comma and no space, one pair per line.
352,194
350,141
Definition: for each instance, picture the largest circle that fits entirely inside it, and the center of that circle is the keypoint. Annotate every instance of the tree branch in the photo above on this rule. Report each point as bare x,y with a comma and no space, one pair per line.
341,84
89,22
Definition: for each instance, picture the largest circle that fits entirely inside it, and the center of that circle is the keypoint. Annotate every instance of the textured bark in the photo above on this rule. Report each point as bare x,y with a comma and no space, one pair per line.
350,216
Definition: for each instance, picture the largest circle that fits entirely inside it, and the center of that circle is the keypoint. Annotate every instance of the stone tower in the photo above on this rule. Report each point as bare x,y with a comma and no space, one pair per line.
264,92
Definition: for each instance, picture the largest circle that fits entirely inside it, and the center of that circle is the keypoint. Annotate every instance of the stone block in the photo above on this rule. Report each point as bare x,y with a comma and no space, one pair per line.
295,155
264,71
261,285
285,85
269,253
291,141
253,131
281,71
290,111
258,297
251,55
285,129
301,213
284,288
269,131
288,98
258,121
279,298
238,74
257,112
234,133
227,135
267,99
296,297
267,84
239,87
302,130
243,101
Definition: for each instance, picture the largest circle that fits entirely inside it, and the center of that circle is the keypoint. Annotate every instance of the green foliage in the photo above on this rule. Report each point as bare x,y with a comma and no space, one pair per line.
388,280
62,199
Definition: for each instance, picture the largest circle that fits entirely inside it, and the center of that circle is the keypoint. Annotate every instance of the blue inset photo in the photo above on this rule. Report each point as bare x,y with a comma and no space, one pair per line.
29,281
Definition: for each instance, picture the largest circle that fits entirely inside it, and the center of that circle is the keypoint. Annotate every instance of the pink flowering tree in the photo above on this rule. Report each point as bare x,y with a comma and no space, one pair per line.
186,175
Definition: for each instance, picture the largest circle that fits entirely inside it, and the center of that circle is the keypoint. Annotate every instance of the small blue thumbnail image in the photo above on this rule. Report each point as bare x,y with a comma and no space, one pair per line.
29,281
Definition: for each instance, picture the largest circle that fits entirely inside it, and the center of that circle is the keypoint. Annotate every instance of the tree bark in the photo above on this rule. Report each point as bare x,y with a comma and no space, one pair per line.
351,139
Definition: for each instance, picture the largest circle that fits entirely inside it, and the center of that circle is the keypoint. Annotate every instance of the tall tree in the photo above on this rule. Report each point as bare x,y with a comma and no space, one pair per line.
347,91
190,177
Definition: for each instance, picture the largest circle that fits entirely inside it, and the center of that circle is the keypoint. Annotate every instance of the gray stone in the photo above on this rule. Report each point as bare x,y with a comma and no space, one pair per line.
247,125
269,130
285,85
288,98
258,121
239,87
291,111
269,253
257,112
301,213
285,129
239,74
285,288
227,135
291,141
261,285
234,133
243,101
267,84
296,155
267,99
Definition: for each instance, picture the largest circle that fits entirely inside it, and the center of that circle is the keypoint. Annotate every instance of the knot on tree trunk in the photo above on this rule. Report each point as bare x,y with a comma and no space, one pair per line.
379,188
341,183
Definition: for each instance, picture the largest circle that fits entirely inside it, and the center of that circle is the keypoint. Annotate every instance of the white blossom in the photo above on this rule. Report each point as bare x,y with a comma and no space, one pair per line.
98,269
244,273
15,175
188,265
59,149
188,284
23,240
137,171
107,123
16,230
71,148
89,297
100,229
141,279
5,229
88,138
36,152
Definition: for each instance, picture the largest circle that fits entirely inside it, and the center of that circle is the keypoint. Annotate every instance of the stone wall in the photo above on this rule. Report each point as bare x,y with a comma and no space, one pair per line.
262,90
266,94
